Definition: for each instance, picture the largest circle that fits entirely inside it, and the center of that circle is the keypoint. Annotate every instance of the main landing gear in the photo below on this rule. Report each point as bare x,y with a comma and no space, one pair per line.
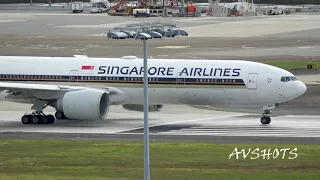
40,118
37,118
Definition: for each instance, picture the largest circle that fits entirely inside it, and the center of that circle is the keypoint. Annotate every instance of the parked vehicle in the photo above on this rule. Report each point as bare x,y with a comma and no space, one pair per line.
77,7
275,11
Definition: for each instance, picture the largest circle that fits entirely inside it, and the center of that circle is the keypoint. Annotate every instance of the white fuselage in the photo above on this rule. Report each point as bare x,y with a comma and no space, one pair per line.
171,81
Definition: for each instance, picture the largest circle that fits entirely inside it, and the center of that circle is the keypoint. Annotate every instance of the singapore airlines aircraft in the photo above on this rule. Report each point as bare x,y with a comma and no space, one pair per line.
83,88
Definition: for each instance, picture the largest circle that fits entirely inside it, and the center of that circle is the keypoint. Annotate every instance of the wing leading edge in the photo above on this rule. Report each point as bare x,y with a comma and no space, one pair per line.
45,91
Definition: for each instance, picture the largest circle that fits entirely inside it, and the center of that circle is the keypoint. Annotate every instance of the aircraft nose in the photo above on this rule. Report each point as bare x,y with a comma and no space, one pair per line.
301,88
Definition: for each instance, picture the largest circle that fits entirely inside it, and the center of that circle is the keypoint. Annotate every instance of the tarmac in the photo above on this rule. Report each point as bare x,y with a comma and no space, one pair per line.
175,123
266,38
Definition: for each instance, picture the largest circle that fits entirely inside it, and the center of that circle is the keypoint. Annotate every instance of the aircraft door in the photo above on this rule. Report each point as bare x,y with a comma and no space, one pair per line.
73,77
252,80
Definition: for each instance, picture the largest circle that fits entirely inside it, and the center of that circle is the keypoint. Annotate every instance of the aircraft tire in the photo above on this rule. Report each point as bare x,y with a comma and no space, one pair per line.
265,120
26,119
44,120
36,119
51,119
59,115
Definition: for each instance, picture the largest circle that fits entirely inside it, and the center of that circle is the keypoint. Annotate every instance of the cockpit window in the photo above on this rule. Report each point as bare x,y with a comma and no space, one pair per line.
288,78
293,78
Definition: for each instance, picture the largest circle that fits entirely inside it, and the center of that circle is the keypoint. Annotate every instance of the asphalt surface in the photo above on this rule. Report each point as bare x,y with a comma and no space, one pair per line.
175,123
286,37
291,38
255,49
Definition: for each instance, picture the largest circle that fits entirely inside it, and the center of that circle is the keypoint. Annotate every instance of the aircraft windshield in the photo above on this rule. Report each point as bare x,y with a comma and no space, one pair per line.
288,78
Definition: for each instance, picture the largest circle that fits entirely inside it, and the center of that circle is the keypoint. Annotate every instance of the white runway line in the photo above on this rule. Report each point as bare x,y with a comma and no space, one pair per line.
284,126
177,122
174,120
8,21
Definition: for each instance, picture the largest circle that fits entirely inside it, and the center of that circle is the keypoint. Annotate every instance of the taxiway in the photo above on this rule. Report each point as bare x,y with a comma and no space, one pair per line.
288,37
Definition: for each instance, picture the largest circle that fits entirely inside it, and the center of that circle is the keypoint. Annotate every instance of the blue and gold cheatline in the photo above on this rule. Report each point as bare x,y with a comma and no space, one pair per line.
116,81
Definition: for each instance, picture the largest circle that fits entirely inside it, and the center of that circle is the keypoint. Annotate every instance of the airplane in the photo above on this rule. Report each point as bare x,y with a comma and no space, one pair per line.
83,88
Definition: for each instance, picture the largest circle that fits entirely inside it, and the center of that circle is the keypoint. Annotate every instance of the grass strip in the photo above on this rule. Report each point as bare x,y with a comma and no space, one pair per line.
36,159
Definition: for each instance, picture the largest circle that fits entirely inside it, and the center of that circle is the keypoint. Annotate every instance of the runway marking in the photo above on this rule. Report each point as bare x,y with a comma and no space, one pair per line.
177,122
293,134
216,108
243,127
305,47
247,47
246,129
98,34
8,21
201,18
172,47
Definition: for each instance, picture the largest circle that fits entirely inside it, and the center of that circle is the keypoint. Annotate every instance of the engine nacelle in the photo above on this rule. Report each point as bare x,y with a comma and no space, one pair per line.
139,107
87,104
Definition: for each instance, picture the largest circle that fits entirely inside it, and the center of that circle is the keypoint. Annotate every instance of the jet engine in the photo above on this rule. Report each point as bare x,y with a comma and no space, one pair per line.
85,104
139,107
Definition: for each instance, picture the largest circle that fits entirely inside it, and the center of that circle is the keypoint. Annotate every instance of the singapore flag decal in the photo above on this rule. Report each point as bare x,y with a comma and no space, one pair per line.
87,69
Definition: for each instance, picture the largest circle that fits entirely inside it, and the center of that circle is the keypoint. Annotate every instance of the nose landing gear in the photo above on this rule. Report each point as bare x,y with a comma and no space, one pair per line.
265,118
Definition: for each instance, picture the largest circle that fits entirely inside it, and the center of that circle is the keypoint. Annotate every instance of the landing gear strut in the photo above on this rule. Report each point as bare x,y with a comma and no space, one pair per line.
265,118
37,118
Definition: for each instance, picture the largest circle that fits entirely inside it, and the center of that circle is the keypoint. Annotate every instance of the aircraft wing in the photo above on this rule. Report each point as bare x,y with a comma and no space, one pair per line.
44,91
27,86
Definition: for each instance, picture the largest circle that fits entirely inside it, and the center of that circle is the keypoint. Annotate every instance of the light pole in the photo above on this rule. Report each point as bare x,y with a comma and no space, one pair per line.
141,35
144,37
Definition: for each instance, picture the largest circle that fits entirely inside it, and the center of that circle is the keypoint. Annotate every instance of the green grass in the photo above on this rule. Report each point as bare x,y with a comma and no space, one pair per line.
124,161
291,65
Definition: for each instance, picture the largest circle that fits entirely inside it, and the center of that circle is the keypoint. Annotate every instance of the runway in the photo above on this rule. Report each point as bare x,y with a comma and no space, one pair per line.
174,123
266,38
